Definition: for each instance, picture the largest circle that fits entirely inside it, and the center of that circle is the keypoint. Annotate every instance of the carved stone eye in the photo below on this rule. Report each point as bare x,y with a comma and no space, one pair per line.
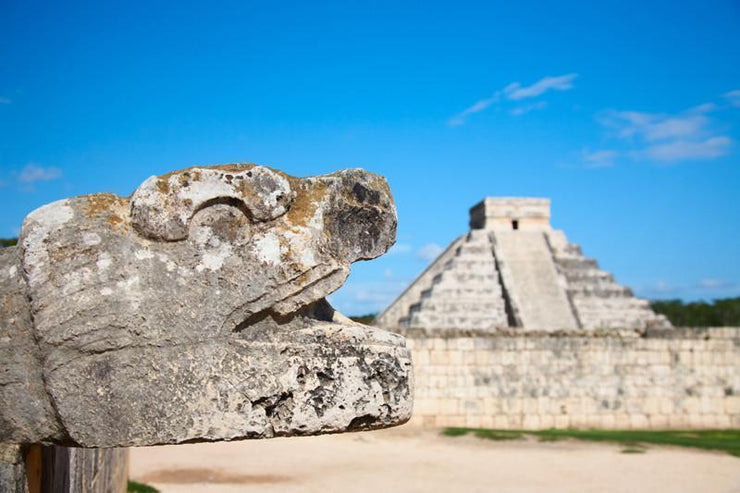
162,207
220,225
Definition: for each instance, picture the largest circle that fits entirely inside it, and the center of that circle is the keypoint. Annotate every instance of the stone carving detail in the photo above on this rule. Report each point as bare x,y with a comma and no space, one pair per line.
194,311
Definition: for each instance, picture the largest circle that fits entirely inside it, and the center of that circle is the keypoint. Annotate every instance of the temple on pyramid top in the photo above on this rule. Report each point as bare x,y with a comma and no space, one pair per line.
508,213
513,270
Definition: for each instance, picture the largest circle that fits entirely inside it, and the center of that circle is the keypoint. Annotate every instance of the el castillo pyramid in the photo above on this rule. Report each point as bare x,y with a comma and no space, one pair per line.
513,270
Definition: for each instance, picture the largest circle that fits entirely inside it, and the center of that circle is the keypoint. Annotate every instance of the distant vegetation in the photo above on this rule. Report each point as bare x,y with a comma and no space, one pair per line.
718,313
364,319
8,242
634,440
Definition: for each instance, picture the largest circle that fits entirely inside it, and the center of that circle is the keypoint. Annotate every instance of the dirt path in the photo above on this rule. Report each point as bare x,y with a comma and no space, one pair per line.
406,460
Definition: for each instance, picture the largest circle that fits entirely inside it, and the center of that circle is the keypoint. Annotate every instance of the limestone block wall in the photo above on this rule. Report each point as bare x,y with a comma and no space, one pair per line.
680,378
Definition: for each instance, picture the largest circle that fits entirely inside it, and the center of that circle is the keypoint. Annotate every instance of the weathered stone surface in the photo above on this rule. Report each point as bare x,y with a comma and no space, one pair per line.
12,470
194,310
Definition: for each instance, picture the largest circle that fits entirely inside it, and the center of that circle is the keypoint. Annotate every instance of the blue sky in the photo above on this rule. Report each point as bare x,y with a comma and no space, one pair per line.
626,114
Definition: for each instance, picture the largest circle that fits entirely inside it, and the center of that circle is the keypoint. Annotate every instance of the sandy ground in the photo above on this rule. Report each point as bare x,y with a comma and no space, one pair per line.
409,460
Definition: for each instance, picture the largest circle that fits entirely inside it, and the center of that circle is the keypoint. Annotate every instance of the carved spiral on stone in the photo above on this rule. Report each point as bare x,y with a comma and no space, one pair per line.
163,207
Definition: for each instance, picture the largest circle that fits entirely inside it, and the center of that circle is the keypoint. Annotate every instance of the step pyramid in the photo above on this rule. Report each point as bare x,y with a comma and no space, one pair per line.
513,270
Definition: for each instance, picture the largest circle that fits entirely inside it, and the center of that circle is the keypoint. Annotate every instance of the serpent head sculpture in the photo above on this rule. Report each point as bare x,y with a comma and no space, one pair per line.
195,310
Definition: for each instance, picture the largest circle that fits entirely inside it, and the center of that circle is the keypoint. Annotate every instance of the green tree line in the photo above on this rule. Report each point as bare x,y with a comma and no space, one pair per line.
719,313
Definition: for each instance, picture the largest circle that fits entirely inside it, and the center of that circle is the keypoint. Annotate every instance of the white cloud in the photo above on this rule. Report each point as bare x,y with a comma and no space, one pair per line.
710,283
665,138
360,298
665,287
33,173
681,150
516,91
5,100
654,126
704,287
704,108
660,289
520,110
733,97
399,248
599,159
477,107
429,252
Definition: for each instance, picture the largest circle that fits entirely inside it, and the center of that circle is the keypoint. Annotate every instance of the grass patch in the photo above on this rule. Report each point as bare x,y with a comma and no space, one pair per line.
498,434
456,432
136,487
483,433
720,440
633,450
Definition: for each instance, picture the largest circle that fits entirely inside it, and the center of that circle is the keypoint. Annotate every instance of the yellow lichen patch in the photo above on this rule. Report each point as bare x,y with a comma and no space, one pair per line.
163,185
115,222
8,308
100,203
309,194
107,206
245,188
62,253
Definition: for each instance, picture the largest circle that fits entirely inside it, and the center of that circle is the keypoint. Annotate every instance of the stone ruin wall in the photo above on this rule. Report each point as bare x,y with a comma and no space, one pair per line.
674,379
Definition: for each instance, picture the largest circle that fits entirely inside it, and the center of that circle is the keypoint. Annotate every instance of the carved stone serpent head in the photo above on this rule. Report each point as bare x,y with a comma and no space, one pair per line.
195,310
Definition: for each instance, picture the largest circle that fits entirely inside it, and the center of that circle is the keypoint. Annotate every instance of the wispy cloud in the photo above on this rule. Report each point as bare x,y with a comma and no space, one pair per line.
733,97
599,159
360,298
662,138
33,173
520,110
429,252
704,288
660,289
477,107
681,150
400,248
4,100
664,287
516,92
655,126
710,283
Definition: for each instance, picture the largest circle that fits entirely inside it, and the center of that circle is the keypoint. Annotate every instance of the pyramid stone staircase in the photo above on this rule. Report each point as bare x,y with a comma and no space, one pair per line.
538,295
601,303
512,270
465,293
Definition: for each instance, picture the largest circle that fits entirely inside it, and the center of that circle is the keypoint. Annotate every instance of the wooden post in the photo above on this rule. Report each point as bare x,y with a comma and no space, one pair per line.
55,469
